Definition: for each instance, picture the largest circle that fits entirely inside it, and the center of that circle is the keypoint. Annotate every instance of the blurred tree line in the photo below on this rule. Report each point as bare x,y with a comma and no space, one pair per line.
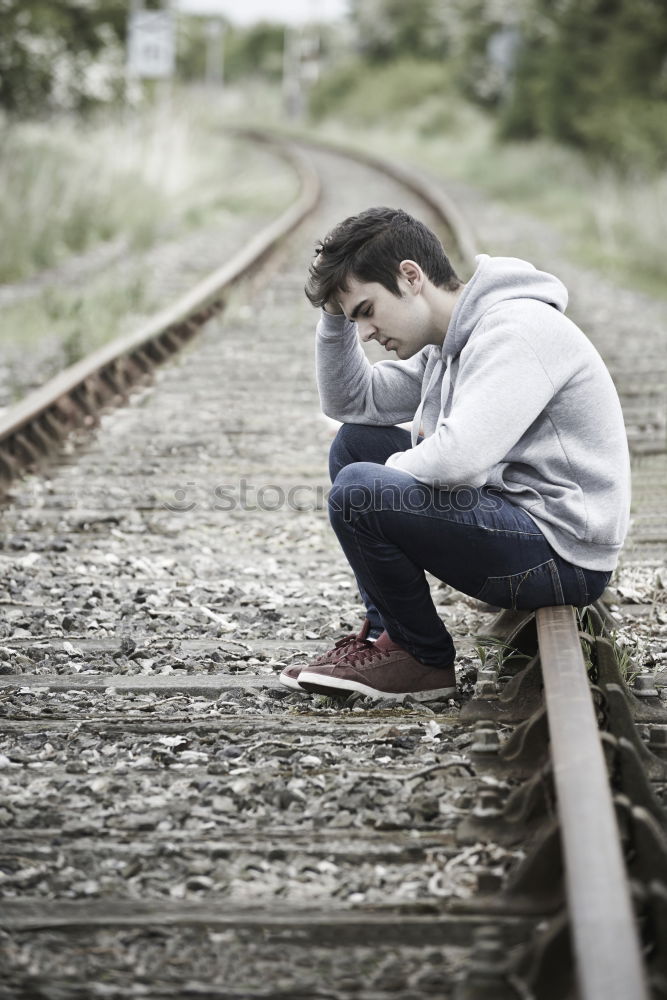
70,55
253,51
588,73
593,73
60,55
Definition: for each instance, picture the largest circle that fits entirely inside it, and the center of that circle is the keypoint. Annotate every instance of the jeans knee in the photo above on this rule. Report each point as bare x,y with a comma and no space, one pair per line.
363,488
344,447
352,491
365,443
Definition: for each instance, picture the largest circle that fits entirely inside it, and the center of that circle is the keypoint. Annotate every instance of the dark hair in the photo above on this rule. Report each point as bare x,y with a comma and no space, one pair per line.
370,247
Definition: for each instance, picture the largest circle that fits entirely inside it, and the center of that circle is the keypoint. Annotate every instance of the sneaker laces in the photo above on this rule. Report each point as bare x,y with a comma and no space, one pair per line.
363,652
348,644
360,636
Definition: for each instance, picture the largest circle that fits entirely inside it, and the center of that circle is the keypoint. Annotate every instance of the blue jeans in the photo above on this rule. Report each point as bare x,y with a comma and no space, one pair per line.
392,529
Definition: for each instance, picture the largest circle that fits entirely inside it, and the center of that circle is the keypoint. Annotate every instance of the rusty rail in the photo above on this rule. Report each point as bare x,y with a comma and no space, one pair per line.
465,241
604,932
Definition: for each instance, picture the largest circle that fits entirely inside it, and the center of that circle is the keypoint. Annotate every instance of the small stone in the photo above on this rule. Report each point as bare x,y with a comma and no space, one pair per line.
76,767
127,645
199,882
310,760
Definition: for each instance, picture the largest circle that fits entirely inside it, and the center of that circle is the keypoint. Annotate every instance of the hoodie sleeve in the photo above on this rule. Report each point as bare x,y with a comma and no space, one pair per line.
502,387
353,390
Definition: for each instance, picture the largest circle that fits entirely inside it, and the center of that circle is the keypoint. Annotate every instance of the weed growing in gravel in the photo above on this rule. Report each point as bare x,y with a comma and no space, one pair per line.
590,625
495,653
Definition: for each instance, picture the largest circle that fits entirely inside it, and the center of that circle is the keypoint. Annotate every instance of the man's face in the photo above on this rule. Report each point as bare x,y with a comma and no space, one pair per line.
401,324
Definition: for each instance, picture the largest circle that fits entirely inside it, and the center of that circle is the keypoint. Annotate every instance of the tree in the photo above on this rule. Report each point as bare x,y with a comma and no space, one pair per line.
68,54
593,73
388,29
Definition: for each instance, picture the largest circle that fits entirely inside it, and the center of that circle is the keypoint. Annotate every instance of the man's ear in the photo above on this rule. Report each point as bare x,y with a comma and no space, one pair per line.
412,273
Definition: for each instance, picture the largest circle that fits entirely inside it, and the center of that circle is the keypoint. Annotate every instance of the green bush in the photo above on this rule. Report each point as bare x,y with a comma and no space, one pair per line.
368,95
256,51
391,29
632,133
592,74
60,56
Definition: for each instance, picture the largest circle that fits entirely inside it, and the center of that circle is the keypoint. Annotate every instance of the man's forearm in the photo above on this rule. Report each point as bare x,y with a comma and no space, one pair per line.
355,391
344,374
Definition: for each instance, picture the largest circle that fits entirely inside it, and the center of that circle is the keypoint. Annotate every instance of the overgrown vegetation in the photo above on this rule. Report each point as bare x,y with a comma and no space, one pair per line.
254,51
363,94
143,182
68,184
593,74
65,55
70,55
587,73
62,325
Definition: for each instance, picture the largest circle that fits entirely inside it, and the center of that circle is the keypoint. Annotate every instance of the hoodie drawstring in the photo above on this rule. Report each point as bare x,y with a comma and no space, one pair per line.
416,423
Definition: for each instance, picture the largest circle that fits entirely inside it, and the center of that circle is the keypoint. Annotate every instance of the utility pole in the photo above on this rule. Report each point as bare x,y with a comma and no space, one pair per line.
301,66
292,92
130,77
215,52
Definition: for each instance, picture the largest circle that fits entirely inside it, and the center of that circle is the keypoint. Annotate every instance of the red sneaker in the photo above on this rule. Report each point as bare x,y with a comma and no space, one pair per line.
358,640
380,669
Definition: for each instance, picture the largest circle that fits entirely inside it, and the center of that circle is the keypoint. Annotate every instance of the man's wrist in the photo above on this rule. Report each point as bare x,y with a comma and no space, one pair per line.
333,326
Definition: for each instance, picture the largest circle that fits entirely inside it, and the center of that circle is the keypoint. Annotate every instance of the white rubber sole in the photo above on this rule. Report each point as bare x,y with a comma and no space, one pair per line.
322,684
290,683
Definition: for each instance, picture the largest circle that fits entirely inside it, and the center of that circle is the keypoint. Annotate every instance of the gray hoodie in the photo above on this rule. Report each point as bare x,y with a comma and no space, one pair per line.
517,399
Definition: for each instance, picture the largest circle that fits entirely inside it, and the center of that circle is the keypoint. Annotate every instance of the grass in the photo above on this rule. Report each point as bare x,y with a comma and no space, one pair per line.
494,653
613,224
68,184
60,326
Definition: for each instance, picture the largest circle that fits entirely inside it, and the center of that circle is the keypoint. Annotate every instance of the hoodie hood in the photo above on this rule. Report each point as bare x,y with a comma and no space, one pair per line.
499,280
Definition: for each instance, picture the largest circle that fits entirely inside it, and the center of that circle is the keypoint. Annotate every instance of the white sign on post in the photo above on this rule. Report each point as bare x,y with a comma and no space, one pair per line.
150,52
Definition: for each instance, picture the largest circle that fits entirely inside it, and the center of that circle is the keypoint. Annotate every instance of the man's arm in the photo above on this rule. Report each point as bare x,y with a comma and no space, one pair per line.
353,390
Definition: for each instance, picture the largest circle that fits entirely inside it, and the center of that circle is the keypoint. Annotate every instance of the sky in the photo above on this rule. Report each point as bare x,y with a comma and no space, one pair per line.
246,11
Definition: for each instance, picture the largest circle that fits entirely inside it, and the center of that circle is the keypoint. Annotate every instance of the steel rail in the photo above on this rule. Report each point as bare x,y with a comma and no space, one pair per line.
408,176
35,425
604,932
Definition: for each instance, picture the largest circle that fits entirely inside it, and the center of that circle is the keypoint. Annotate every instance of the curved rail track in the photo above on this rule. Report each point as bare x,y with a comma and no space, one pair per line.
176,825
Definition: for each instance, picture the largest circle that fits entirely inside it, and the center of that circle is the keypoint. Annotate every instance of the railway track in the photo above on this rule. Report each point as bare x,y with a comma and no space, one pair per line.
174,824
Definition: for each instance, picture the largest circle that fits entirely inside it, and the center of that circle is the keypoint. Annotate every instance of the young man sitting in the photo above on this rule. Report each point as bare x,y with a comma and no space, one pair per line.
514,484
